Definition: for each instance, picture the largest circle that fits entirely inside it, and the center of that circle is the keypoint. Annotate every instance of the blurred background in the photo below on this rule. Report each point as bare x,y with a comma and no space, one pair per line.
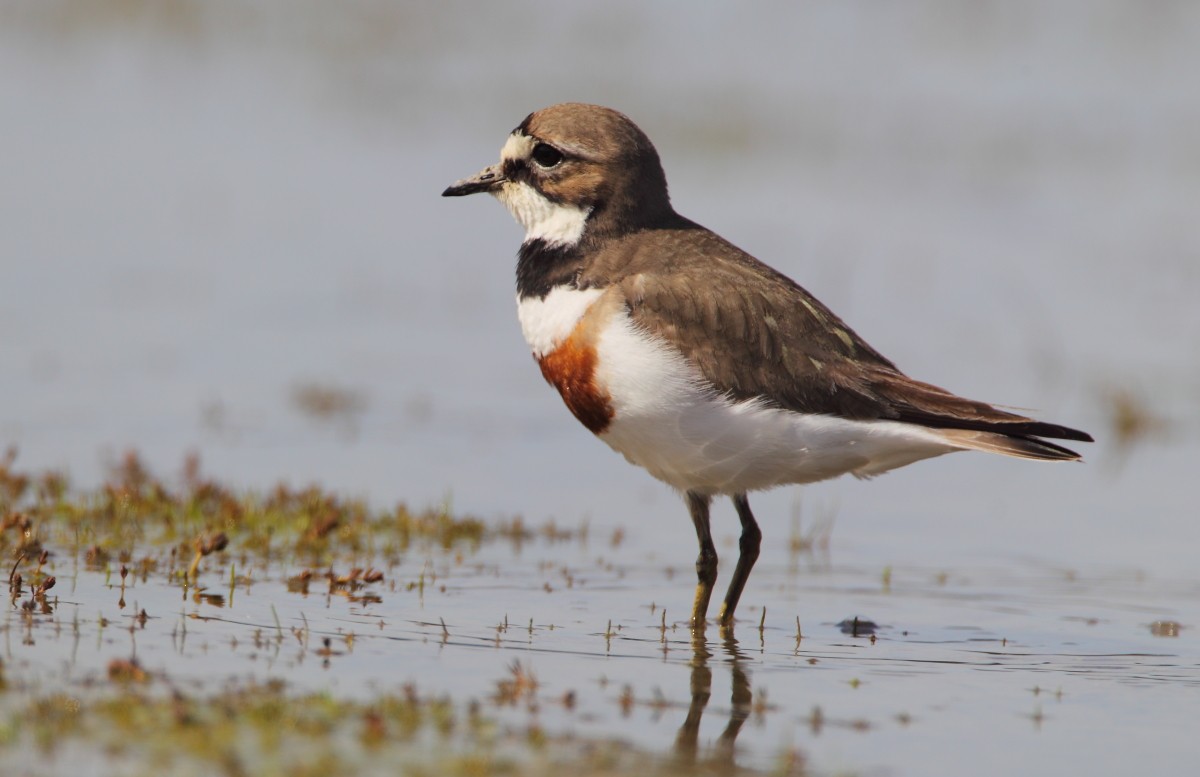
221,232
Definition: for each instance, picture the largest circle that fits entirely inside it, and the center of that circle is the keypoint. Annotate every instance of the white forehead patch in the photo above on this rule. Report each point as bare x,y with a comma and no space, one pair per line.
518,146
554,223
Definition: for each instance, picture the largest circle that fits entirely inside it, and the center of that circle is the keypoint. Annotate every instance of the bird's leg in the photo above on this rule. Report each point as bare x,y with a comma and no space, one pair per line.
748,554
706,562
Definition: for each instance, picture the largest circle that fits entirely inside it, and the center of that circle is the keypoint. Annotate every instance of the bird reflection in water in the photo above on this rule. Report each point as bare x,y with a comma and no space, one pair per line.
741,700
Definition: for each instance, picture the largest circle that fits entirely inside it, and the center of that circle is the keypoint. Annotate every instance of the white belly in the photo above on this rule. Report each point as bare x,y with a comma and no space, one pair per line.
667,420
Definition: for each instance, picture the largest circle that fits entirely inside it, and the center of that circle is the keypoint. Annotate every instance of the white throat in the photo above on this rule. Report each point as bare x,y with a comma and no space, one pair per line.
556,225
544,220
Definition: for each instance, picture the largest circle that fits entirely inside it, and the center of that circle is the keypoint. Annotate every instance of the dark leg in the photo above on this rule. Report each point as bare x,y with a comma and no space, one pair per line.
706,563
748,545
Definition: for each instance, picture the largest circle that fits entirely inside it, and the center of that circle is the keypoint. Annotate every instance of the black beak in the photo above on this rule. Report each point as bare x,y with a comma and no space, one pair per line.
484,181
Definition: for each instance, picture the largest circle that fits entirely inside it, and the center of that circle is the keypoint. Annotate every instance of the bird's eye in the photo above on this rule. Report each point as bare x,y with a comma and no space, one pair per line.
546,156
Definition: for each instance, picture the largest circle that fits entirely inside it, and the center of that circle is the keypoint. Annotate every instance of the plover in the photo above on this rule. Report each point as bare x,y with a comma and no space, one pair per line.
691,358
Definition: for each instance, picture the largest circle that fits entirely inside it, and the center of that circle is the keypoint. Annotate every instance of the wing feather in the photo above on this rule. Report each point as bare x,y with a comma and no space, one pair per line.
753,333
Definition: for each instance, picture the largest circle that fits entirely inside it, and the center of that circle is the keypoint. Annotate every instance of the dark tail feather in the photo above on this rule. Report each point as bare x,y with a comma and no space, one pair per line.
1009,424
1019,446
928,405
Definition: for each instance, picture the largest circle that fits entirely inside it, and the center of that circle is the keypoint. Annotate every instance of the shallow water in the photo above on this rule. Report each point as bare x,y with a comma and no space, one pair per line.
988,668
213,207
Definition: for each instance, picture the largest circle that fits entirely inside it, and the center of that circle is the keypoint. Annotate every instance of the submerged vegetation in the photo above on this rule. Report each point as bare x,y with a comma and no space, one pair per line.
138,535
265,730
136,512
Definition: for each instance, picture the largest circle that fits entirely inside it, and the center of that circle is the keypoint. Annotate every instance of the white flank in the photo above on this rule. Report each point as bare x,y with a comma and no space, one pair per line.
551,222
669,421
548,321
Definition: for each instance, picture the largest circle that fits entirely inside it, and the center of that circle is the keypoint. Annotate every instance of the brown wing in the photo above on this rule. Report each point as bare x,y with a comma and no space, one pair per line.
754,333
